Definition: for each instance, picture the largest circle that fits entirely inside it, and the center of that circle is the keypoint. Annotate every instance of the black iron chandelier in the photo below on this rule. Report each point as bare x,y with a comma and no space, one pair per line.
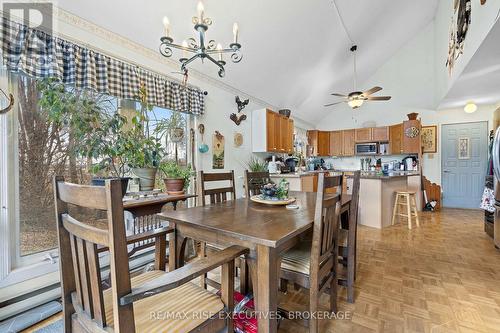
203,50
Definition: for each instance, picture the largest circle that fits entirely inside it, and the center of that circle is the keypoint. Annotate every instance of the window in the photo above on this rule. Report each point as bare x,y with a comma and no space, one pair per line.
37,149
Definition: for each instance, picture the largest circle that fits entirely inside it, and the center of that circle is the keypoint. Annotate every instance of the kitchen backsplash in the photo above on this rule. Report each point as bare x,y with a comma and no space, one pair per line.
354,162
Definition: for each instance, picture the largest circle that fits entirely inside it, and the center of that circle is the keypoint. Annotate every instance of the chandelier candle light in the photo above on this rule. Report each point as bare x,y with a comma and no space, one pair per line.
201,50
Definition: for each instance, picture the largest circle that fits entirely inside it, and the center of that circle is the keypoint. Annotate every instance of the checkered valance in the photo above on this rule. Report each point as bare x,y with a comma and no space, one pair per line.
41,55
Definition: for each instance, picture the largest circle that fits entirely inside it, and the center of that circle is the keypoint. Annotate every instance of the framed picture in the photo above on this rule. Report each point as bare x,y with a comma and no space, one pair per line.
463,148
429,139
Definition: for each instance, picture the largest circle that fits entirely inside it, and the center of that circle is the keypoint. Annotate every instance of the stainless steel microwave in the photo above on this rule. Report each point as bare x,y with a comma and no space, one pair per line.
366,149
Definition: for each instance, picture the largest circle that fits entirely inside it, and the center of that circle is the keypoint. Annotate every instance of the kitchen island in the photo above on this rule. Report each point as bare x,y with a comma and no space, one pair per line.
377,195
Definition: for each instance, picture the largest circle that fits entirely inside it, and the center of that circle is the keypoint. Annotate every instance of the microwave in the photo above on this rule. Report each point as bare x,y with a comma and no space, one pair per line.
366,149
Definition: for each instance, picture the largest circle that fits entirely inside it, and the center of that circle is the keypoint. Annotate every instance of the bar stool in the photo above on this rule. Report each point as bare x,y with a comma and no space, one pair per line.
405,198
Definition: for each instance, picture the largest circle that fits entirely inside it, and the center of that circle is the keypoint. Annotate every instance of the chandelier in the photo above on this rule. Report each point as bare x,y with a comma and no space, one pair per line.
191,49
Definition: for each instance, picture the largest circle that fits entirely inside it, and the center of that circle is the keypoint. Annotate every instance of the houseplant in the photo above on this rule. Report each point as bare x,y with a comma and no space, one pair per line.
255,164
177,178
94,128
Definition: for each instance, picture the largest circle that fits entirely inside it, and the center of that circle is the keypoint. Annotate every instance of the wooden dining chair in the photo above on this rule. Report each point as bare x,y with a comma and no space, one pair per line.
348,240
140,303
313,264
216,195
254,182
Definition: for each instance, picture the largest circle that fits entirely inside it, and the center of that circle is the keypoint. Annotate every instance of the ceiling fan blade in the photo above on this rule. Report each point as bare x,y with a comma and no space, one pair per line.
372,91
332,104
379,98
339,95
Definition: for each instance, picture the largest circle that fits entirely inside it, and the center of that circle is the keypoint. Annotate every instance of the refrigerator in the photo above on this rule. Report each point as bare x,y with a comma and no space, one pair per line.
495,155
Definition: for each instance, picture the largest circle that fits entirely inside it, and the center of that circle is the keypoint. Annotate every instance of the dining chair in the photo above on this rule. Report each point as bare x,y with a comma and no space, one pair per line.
348,239
216,195
132,304
313,264
254,181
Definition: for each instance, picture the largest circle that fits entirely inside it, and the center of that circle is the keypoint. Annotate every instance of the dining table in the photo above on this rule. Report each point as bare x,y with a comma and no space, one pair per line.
266,230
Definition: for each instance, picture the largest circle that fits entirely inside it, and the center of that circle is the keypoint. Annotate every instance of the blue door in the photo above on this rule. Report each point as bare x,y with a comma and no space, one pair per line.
464,158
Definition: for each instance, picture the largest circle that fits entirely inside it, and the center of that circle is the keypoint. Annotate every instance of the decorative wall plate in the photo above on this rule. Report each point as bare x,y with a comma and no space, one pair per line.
412,132
238,139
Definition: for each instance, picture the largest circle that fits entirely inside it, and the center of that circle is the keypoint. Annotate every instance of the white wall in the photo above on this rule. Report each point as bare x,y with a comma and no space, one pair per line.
410,78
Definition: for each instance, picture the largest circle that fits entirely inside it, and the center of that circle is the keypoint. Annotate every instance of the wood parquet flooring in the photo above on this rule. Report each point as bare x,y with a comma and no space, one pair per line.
442,277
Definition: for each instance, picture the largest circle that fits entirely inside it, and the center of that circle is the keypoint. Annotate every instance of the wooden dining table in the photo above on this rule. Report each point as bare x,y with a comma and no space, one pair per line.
267,231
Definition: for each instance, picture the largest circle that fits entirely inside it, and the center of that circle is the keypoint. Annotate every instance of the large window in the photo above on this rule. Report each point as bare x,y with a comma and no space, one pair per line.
40,149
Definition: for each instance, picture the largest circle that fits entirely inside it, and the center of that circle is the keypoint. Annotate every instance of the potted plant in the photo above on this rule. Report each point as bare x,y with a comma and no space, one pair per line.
95,128
175,126
176,177
256,164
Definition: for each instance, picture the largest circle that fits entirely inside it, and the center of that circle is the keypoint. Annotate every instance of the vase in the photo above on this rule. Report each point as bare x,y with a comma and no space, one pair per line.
146,178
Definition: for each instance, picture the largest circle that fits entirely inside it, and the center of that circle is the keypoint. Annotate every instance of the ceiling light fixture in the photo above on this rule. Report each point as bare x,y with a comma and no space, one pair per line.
201,50
470,107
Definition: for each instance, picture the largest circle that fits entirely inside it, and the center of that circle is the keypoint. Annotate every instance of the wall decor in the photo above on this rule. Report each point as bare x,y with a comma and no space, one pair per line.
238,118
460,22
412,132
202,147
10,98
238,139
429,139
463,148
218,151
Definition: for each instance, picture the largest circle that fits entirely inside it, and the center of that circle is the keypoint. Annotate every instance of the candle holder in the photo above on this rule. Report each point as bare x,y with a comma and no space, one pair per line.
202,49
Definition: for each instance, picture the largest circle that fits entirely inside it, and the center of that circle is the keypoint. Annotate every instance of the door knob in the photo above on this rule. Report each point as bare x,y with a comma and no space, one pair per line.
446,171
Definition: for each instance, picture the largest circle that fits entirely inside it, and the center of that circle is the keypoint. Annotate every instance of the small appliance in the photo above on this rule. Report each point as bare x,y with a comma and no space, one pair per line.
291,163
366,149
408,162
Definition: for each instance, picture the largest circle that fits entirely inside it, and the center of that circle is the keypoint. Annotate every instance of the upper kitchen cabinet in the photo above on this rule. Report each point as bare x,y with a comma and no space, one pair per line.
380,134
348,142
412,143
336,143
318,143
271,132
396,139
363,135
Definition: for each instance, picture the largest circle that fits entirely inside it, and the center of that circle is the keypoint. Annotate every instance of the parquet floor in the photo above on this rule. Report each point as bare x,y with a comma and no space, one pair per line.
441,277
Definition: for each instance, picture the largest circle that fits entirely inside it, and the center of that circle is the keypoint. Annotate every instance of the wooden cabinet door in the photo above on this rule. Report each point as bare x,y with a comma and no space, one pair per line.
380,134
291,129
323,143
348,140
312,143
336,143
271,131
396,139
363,135
411,137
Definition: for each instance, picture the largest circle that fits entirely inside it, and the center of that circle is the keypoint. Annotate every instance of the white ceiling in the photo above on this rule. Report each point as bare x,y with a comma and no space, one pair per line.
295,52
480,80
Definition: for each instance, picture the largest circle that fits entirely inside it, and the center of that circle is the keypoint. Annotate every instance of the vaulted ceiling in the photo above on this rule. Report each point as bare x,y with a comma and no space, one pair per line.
295,52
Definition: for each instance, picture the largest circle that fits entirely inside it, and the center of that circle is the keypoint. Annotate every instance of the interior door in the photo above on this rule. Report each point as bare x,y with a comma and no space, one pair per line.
464,160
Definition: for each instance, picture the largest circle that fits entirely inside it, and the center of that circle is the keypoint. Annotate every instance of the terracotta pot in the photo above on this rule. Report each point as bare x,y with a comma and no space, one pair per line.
146,178
412,116
174,185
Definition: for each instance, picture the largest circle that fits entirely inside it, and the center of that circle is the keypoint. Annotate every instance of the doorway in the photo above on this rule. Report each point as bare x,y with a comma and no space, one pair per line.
464,159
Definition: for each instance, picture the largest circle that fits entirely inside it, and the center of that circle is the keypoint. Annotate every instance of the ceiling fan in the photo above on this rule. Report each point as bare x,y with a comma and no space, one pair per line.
356,98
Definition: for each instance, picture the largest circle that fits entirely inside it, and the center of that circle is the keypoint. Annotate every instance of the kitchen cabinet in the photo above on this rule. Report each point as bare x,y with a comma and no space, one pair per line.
348,141
380,134
336,143
363,134
396,139
319,143
271,132
412,143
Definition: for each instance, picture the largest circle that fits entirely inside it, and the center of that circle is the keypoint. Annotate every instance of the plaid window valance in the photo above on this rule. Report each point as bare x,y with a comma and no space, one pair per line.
42,55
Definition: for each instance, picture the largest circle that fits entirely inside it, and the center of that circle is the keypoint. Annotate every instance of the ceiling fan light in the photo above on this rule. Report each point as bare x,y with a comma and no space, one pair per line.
470,107
355,103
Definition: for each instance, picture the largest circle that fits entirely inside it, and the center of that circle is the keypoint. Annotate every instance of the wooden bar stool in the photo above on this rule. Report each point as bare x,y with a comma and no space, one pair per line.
405,198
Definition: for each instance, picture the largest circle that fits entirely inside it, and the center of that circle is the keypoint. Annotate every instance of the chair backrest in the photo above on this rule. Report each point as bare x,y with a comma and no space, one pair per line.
254,181
78,249
353,207
219,194
324,249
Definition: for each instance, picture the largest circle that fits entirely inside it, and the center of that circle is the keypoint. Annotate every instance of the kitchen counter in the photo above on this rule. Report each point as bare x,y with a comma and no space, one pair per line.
390,175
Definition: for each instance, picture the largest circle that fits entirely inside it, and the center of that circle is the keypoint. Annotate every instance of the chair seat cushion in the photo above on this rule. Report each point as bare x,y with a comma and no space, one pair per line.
179,310
298,258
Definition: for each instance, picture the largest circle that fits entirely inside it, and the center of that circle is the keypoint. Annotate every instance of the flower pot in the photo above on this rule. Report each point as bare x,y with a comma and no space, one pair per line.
101,181
285,112
412,116
174,185
177,134
146,178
